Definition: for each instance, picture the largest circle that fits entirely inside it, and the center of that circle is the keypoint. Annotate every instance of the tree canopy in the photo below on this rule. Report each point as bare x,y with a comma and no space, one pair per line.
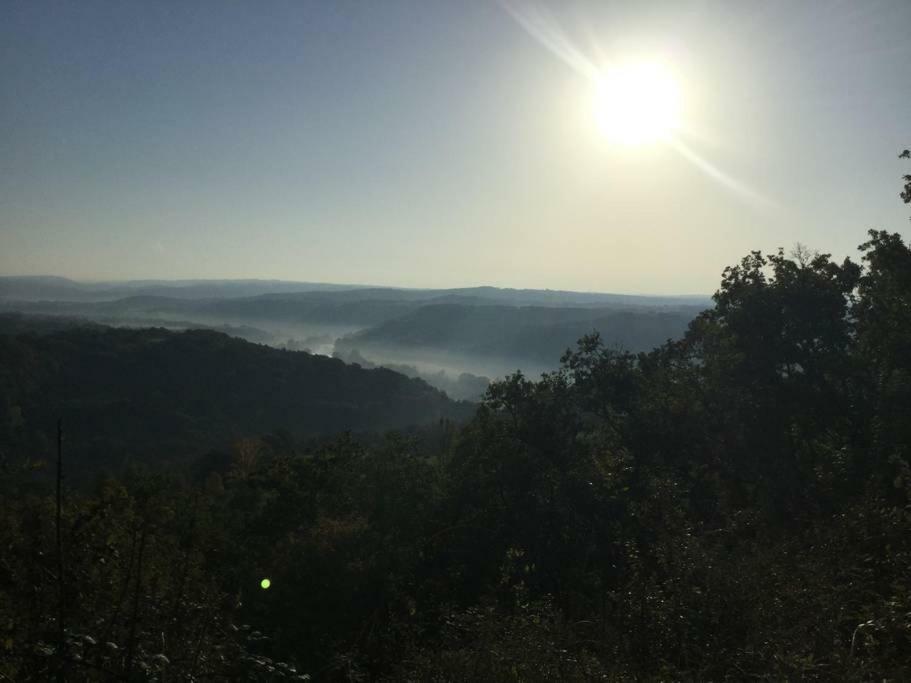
731,505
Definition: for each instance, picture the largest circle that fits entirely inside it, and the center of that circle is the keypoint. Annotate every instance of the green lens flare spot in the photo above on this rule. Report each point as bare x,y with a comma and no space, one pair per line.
265,583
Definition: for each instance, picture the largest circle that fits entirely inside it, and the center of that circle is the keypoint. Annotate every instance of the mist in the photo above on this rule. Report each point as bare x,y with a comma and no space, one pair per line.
457,340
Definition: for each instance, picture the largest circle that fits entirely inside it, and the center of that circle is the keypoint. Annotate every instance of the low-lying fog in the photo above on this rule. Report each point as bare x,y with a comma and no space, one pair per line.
456,340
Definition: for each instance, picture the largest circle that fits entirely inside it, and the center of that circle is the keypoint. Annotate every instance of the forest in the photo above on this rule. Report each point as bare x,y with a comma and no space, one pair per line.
156,396
733,504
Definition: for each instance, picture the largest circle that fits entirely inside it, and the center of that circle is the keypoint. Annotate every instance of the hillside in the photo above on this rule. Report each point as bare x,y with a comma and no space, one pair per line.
161,394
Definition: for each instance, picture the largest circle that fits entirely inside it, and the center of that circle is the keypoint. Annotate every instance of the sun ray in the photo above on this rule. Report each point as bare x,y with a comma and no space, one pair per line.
541,26
719,176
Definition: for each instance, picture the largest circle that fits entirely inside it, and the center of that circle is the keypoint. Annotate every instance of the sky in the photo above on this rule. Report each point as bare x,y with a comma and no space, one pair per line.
442,144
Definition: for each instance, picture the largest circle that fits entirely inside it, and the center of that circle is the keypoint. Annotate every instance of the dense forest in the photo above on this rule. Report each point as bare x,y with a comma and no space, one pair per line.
151,395
732,505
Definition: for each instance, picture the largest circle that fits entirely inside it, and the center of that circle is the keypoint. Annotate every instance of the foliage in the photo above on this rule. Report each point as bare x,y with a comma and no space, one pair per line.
154,395
732,505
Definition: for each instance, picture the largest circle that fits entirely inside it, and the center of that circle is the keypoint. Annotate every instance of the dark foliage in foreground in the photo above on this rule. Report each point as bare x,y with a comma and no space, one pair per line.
734,505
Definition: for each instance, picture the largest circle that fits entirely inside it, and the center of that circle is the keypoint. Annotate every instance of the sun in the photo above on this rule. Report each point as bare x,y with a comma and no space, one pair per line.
637,103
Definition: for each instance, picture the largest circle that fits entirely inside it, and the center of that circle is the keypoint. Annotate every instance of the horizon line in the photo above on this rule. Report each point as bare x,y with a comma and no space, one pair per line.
348,285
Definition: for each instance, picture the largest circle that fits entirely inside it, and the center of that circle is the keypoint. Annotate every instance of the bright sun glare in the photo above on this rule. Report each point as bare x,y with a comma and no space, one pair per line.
637,103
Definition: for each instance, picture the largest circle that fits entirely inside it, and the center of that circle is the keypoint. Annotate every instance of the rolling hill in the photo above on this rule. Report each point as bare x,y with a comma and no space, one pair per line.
156,395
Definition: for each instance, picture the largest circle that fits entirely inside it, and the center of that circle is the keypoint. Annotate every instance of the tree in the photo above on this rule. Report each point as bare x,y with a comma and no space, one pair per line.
906,193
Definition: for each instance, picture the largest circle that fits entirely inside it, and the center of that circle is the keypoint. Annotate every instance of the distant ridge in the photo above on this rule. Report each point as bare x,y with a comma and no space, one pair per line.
32,288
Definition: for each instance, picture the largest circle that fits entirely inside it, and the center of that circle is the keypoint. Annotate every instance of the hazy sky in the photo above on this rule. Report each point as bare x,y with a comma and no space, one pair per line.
441,143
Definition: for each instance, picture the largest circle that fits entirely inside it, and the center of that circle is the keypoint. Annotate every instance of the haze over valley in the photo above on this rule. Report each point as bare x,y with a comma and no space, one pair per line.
455,339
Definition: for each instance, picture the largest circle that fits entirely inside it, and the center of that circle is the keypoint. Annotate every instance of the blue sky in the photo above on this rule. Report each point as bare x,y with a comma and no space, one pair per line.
439,143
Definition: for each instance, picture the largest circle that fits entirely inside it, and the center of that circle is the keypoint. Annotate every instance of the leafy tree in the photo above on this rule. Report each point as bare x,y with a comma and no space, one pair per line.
906,192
